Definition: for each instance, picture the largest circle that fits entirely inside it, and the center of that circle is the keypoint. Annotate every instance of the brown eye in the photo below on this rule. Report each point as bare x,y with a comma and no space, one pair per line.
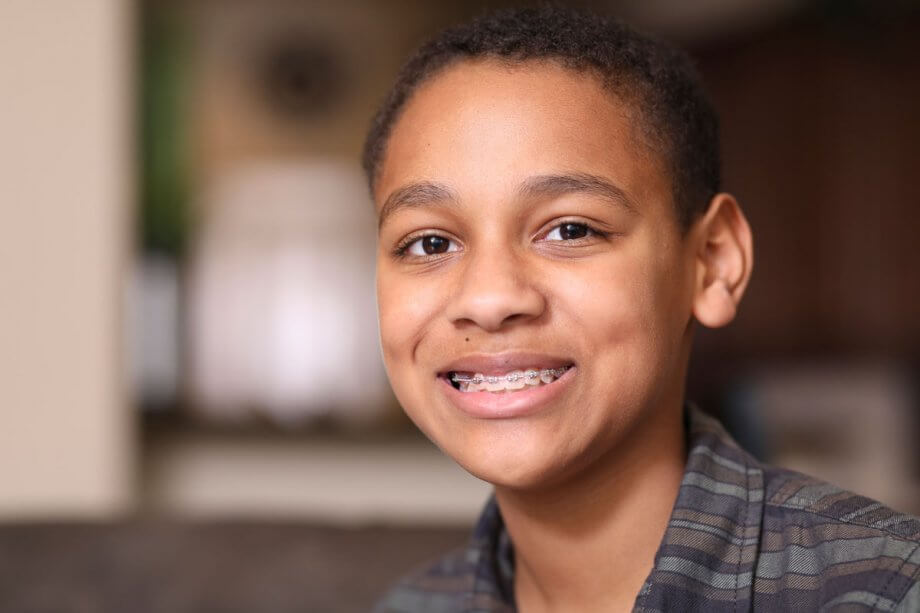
569,232
435,244
430,245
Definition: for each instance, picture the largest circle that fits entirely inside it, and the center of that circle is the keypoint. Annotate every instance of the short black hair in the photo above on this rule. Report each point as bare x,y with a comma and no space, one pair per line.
658,79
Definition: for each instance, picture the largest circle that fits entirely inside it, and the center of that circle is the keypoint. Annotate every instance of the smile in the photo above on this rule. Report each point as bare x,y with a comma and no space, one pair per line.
495,394
510,382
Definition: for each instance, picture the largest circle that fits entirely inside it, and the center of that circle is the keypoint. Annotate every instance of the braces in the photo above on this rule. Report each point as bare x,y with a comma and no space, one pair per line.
493,379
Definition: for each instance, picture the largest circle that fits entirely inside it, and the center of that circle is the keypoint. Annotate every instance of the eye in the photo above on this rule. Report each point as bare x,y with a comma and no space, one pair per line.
430,245
569,231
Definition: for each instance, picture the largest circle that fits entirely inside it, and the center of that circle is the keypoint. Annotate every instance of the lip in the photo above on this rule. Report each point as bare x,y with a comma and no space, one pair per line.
505,405
503,363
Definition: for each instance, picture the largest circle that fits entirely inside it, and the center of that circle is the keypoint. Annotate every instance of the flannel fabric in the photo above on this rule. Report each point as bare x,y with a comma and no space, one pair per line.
742,536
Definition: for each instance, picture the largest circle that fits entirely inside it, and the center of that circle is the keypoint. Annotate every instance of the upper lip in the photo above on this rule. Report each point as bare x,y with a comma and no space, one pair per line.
503,363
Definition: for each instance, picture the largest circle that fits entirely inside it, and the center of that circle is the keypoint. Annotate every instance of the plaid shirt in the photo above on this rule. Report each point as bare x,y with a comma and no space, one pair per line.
742,536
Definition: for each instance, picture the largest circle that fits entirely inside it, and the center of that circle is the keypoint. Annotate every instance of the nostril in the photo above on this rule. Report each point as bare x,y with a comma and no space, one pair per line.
491,300
514,317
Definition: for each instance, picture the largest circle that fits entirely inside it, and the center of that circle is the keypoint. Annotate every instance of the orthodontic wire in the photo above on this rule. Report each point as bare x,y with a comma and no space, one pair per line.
527,374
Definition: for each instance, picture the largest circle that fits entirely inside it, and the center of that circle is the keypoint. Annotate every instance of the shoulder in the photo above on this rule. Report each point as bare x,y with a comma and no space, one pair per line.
834,546
801,495
441,586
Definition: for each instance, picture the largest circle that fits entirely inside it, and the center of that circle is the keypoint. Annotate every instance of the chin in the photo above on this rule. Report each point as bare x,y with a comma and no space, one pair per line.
519,478
515,460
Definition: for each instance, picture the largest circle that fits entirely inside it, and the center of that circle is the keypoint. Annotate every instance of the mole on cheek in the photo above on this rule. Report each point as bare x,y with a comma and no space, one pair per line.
467,339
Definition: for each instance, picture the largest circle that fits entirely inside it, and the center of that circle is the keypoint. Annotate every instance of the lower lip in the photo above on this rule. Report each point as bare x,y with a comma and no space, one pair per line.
507,405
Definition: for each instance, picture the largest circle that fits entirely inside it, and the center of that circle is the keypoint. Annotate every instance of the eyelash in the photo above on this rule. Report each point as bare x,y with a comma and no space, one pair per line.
401,249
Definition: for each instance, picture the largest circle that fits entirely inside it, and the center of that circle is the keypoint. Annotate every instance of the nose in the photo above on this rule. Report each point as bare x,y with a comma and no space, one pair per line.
494,291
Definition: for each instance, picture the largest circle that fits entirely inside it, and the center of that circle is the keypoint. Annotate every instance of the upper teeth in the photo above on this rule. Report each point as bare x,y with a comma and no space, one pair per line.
546,375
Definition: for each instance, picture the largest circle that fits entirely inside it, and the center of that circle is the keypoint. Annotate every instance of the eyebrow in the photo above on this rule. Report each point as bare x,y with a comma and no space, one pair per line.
414,195
426,193
553,186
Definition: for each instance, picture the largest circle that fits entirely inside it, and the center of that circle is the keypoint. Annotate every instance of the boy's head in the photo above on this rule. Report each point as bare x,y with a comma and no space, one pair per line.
657,81
549,227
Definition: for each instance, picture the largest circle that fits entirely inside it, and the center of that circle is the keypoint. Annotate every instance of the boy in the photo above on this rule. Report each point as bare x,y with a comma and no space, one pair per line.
550,228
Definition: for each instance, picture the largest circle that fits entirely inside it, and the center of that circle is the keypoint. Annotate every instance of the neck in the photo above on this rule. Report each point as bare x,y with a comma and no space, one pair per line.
589,543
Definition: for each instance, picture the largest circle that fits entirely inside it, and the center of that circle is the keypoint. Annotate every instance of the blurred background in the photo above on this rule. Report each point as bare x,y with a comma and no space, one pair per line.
194,413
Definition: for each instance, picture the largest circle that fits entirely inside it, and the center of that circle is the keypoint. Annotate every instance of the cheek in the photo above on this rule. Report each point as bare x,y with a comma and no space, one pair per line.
626,302
407,304
612,301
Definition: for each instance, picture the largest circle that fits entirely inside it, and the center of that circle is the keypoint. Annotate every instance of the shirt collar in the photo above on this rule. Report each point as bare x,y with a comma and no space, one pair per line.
711,542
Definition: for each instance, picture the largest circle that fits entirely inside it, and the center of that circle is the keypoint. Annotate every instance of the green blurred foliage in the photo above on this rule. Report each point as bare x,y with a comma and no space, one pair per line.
164,149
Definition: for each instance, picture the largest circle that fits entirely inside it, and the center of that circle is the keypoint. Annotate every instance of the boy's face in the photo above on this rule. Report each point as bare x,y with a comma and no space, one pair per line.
552,243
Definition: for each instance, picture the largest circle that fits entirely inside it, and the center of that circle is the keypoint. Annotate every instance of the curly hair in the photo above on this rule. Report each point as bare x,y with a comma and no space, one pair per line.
658,79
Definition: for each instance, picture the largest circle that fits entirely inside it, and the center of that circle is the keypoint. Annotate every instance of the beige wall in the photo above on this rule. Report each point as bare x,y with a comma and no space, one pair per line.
66,164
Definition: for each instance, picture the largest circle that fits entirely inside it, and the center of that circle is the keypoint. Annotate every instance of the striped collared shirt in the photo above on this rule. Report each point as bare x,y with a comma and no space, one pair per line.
742,536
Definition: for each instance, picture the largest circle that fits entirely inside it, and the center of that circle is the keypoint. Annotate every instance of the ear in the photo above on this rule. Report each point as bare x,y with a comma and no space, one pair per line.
724,259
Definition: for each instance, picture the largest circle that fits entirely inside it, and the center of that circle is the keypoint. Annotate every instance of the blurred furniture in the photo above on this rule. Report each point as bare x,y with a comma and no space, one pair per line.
850,423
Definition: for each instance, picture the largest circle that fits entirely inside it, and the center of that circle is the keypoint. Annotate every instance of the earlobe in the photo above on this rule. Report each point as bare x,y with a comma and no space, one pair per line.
724,261
715,307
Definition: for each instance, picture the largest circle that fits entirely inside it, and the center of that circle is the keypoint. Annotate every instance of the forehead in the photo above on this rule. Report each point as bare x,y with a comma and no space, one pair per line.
491,124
